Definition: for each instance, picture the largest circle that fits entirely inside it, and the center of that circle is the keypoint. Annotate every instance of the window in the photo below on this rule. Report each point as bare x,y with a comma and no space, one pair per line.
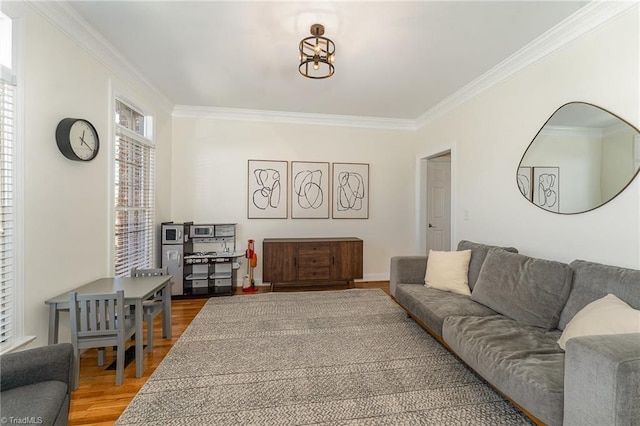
134,190
10,327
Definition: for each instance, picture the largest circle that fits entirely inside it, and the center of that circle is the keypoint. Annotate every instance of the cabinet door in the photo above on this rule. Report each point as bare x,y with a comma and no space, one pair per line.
280,261
172,258
346,260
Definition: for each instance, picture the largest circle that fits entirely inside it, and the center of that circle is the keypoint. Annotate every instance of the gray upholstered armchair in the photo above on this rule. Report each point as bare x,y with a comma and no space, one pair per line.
35,385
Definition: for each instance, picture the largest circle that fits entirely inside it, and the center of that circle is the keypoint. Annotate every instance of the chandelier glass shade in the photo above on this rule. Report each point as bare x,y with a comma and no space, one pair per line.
317,54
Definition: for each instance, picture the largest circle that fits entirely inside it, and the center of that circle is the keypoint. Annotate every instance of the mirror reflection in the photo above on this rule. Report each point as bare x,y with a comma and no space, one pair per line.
582,158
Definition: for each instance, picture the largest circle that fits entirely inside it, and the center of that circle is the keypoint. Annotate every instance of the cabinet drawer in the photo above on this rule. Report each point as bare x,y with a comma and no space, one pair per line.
314,249
199,283
305,274
314,261
222,282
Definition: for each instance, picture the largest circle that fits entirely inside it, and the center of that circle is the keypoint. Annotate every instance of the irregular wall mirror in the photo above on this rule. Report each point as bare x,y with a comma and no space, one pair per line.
582,158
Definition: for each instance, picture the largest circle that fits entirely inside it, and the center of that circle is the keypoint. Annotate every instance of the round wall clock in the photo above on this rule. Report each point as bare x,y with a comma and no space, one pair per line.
77,139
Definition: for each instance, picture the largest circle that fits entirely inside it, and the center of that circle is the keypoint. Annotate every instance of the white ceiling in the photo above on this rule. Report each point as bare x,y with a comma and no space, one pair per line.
394,59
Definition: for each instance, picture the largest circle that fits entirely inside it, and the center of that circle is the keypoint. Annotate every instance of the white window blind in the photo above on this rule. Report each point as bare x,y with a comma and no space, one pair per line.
7,243
134,194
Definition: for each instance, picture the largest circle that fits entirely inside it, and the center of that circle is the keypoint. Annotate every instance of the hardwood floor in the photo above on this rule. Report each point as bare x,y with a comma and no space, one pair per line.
98,401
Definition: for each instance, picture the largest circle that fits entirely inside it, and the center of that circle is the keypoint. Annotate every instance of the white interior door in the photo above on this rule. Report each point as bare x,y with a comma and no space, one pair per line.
439,203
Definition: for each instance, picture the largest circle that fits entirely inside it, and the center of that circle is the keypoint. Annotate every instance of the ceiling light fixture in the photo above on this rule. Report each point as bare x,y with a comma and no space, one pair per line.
317,54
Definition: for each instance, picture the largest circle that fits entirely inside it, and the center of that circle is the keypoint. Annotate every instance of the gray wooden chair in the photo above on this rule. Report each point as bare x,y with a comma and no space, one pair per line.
98,321
153,306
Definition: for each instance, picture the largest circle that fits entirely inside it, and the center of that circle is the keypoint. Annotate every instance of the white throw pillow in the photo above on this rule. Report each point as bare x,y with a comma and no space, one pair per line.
448,271
608,315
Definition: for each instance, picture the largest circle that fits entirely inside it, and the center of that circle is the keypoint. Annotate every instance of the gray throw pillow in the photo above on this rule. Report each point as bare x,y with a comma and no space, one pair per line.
478,254
529,290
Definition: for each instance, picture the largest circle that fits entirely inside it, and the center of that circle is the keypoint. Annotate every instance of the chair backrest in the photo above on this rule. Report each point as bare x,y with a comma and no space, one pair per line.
95,315
138,272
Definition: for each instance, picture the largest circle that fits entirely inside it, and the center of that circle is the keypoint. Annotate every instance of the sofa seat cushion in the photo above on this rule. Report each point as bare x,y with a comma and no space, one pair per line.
432,306
522,361
42,401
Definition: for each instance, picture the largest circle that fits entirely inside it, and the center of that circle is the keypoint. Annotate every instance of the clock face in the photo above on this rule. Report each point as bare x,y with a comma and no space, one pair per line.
83,140
77,139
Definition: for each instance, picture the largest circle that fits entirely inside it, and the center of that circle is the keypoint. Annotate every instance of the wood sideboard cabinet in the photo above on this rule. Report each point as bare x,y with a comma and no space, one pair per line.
311,261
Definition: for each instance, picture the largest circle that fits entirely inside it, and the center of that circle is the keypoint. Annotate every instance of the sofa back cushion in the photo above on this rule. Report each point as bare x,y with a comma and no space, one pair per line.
532,291
478,254
592,281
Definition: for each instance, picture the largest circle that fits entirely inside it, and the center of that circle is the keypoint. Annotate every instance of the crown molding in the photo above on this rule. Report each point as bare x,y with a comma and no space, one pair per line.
67,20
237,114
582,22
620,128
570,131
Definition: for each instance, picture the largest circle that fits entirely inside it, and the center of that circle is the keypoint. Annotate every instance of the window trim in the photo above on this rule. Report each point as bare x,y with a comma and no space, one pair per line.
17,13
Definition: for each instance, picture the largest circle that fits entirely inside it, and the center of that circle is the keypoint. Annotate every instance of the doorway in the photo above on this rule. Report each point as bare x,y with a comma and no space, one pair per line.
437,195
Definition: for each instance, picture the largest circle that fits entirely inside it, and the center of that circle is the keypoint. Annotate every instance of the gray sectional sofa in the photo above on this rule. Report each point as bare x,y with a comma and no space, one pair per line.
508,329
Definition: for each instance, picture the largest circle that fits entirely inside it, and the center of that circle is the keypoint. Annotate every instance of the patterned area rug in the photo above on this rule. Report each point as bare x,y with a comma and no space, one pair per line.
348,357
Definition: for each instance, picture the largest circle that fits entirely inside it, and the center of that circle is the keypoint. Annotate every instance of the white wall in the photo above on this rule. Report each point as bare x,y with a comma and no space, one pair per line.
67,204
493,130
210,181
